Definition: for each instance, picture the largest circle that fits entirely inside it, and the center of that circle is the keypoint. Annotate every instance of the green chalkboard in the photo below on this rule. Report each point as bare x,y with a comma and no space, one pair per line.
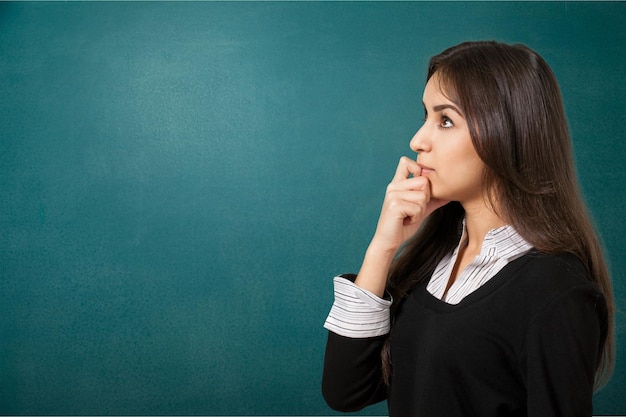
180,181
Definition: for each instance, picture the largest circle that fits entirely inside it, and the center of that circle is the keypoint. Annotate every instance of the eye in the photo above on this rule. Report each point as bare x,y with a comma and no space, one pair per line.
446,123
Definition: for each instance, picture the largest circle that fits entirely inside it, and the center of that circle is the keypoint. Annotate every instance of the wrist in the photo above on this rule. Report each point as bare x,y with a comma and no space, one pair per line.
383,249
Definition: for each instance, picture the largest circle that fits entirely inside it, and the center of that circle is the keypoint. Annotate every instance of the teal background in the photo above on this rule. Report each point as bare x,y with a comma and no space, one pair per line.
179,183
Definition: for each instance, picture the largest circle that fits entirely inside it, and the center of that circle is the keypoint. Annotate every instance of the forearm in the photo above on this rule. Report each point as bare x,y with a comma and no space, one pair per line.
352,377
375,268
358,325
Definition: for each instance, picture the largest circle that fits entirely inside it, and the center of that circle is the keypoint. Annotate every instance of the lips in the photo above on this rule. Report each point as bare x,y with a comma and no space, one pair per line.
425,169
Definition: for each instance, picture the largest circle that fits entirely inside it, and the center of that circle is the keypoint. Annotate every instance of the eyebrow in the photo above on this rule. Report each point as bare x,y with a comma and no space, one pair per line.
441,107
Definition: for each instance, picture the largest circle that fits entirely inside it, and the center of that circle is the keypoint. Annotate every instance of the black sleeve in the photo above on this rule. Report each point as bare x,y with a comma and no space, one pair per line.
561,354
352,376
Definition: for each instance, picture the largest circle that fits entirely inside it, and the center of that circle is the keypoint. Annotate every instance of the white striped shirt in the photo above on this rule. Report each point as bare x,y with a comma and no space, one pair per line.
358,313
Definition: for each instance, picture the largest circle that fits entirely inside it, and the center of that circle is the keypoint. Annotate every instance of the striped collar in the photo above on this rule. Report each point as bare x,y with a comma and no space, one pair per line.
500,242
500,246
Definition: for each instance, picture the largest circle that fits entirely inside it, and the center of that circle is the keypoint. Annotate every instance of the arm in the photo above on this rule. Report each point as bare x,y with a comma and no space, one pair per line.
561,354
359,319
352,377
358,325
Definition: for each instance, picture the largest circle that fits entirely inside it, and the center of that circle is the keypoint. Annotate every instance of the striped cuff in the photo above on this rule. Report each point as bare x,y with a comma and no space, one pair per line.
357,313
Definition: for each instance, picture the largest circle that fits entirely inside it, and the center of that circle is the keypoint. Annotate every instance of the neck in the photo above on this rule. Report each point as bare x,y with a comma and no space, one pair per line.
479,220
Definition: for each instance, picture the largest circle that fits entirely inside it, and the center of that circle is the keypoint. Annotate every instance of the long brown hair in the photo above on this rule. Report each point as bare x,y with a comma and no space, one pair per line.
514,109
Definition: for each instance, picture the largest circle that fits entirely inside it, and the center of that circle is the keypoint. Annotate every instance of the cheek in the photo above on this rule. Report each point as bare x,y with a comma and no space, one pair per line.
467,163
460,179
470,169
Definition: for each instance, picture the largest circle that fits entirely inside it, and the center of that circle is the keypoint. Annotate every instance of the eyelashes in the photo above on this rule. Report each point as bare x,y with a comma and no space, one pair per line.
444,122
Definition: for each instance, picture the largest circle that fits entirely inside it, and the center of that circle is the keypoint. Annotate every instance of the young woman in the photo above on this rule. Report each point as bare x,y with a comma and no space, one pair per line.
484,291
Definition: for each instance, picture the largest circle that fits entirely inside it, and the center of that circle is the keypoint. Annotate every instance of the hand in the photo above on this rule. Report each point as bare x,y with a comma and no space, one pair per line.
407,203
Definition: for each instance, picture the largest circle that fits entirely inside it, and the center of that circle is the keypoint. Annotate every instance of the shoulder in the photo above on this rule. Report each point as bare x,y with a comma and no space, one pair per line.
543,282
553,272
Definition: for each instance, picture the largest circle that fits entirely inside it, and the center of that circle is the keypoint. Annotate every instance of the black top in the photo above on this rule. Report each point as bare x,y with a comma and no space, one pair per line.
526,343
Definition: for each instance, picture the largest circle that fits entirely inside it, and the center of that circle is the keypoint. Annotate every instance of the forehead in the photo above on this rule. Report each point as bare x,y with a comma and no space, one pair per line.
437,99
436,89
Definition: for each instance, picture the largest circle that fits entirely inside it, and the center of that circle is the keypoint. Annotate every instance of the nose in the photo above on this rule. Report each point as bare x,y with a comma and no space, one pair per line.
419,142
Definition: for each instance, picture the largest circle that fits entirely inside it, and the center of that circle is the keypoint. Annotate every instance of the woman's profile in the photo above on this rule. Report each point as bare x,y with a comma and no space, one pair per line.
484,290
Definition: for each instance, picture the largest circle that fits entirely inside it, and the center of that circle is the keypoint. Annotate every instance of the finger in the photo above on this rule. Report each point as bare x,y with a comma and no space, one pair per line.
407,203
410,184
417,195
404,211
401,204
406,168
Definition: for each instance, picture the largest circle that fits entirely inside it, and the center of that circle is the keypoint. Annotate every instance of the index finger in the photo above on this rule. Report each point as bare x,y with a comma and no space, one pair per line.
406,168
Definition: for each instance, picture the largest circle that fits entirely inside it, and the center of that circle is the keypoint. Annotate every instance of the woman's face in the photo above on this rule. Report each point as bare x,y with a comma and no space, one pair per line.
445,150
